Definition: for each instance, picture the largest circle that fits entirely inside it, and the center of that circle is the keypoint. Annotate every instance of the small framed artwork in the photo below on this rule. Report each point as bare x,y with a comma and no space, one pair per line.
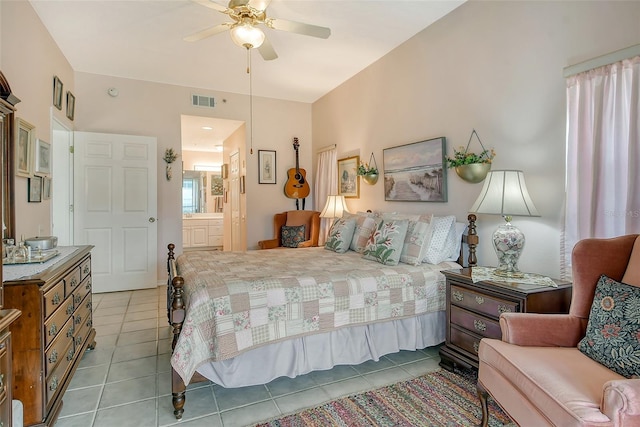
24,148
43,157
46,188
242,185
216,185
35,189
348,182
416,172
224,171
266,167
57,92
71,105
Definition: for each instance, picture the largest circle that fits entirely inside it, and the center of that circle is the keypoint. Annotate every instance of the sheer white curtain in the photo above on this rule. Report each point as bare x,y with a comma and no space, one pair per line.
603,154
326,183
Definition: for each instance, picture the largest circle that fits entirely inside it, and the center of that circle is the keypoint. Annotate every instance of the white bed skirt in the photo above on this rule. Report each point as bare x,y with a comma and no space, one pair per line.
347,346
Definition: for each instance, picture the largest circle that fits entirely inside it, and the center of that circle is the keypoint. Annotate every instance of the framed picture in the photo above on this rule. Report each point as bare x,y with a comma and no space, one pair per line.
216,185
57,92
242,183
24,148
43,157
416,172
224,171
46,188
71,105
35,189
348,182
266,167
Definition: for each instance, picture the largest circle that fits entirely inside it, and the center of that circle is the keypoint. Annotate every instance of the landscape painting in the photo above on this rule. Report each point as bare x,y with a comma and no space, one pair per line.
416,172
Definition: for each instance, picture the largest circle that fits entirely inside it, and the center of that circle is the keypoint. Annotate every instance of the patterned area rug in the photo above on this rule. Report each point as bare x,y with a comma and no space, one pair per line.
439,398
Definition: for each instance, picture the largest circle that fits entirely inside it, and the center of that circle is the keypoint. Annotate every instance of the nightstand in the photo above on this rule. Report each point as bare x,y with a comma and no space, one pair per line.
474,309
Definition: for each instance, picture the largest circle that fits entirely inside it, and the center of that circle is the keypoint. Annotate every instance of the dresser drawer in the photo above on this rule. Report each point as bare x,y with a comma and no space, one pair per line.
71,281
83,322
474,322
5,372
484,304
81,292
85,268
57,376
53,298
465,340
55,352
54,324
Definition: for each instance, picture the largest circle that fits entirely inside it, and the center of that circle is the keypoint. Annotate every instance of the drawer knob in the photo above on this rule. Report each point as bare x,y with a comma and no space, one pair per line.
77,299
88,285
71,353
54,384
74,282
479,325
53,357
476,346
53,329
56,299
78,320
78,340
457,295
70,331
70,308
503,309
2,382
86,270
479,300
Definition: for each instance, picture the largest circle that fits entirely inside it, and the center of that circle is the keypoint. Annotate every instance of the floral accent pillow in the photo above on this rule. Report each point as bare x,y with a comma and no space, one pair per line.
340,235
291,235
385,244
613,330
365,226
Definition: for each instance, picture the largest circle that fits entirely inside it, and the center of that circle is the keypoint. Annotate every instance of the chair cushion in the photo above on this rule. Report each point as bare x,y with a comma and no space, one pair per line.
613,332
292,235
340,234
300,218
565,385
385,244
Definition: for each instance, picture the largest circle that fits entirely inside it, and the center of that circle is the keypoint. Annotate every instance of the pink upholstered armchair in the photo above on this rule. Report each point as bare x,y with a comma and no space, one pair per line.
536,372
310,219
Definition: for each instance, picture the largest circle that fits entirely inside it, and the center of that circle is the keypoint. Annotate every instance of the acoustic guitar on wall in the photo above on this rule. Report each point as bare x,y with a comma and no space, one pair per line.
296,186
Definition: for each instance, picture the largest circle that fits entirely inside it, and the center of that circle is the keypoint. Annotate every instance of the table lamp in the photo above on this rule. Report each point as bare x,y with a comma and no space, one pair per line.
505,193
334,208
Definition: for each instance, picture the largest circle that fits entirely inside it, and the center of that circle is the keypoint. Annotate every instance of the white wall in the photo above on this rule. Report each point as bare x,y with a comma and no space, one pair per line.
495,66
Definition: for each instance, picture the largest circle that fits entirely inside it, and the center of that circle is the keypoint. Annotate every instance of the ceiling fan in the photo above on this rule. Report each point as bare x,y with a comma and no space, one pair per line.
244,31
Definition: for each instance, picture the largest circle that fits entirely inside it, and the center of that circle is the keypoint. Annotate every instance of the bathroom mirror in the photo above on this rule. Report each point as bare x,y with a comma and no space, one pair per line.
201,192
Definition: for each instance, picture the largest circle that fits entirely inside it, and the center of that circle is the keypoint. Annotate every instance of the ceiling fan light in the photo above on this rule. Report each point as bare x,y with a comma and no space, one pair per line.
247,35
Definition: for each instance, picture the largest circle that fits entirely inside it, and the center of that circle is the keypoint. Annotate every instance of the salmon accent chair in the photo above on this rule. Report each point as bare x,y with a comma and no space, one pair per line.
310,219
536,372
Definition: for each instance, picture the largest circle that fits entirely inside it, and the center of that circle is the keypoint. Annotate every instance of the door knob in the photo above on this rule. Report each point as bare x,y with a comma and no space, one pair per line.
152,219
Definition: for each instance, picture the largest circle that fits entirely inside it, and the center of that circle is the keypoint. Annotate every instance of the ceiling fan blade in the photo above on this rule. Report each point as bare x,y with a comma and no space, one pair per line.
259,4
267,51
207,33
299,28
212,5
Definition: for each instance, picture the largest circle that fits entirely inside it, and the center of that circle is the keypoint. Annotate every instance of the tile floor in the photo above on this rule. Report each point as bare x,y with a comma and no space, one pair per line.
126,380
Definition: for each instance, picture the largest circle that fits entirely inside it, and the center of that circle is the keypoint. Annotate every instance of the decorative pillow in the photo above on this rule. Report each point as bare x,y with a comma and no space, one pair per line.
385,244
437,250
365,226
416,242
340,235
291,235
613,330
454,241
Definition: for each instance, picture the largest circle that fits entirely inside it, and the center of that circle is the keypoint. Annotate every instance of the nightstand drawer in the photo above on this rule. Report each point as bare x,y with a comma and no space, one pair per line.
465,340
482,303
474,322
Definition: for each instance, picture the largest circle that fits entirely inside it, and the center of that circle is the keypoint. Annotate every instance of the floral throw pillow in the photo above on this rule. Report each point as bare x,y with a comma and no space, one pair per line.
416,242
385,244
613,330
340,235
291,235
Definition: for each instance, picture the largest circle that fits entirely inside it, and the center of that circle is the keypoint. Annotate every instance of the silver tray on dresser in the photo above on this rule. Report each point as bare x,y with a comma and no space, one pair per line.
35,258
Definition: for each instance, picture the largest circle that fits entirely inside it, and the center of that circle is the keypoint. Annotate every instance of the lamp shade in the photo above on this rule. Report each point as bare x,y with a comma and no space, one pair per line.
505,193
247,35
335,207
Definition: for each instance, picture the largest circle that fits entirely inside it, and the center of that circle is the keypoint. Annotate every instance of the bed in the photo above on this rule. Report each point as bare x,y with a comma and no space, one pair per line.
246,318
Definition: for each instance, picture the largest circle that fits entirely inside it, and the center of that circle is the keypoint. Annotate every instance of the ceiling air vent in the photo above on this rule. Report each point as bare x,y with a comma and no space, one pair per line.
203,101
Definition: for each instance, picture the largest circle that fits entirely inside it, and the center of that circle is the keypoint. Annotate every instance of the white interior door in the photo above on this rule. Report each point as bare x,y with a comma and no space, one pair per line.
234,199
62,186
115,208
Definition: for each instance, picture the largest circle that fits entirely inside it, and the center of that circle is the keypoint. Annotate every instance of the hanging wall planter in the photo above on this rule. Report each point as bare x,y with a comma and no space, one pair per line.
170,156
369,171
469,166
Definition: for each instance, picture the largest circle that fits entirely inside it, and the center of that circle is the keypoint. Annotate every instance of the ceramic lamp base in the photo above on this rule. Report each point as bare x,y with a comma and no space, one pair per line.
508,242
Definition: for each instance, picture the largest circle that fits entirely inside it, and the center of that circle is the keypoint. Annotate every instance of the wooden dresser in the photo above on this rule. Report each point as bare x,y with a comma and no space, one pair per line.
52,334
6,318
474,309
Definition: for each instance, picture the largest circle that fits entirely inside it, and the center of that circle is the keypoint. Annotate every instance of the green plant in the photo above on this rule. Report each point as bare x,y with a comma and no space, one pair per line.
170,156
463,157
365,169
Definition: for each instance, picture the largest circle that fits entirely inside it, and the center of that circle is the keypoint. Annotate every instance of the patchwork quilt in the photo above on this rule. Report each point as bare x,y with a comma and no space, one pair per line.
237,301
